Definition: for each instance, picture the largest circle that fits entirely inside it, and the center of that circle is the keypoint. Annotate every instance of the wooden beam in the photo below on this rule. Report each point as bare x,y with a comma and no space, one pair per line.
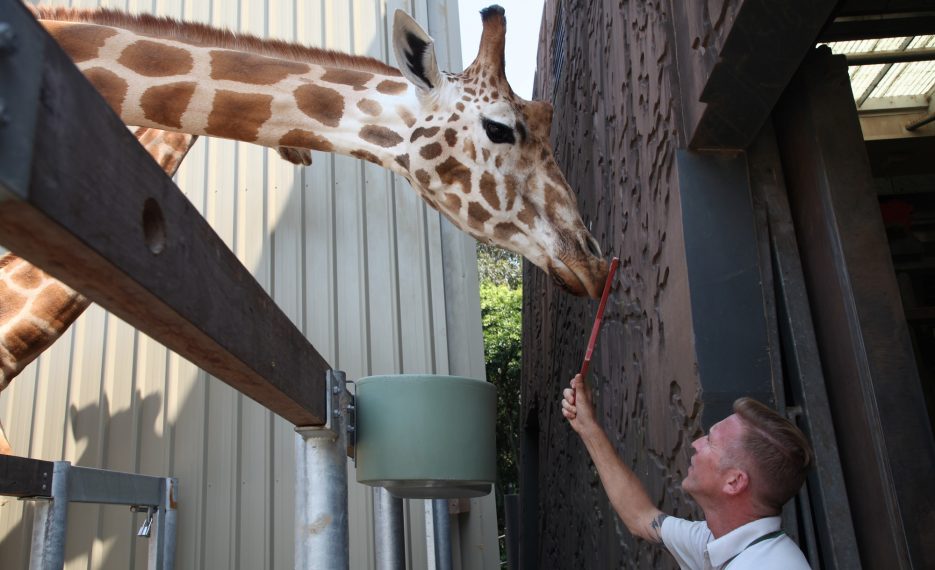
99,214
732,78
24,477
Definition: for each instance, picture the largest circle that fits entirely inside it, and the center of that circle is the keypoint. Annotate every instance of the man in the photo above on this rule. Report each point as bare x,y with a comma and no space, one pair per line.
741,474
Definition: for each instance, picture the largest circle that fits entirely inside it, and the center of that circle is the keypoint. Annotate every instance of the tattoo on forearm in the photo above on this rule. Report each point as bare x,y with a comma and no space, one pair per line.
657,526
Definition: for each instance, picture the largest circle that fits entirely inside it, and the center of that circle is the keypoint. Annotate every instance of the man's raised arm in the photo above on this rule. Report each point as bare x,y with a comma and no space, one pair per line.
625,491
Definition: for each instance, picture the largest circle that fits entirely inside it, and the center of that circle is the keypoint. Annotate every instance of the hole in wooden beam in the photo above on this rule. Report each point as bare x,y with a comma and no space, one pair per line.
154,226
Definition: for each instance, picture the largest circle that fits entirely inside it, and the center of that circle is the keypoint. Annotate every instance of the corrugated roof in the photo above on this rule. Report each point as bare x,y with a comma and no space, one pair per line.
890,85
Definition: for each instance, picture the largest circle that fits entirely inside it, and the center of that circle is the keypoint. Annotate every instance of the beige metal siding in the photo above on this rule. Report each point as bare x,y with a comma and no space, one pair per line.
378,282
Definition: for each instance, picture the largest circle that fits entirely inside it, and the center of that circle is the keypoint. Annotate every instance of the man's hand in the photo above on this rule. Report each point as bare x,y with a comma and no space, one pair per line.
577,406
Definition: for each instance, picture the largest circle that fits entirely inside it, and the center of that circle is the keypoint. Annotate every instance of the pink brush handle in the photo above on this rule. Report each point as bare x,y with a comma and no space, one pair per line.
600,315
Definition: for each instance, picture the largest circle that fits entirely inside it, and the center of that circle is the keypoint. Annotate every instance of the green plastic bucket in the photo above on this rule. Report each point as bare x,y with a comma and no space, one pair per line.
425,436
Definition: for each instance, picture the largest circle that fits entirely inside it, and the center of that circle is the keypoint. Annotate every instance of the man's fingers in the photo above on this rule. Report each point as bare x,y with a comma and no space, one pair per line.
569,395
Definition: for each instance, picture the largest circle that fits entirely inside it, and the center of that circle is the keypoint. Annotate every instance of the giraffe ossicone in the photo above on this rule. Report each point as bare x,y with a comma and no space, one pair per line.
470,147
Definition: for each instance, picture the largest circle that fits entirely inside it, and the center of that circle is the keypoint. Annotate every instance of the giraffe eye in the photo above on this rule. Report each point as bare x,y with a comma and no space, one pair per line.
498,132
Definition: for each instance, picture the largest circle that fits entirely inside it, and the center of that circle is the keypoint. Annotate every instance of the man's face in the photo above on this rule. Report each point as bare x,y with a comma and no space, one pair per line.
708,475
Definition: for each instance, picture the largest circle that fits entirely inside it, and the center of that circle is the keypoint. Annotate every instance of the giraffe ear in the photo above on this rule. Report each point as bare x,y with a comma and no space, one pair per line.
415,52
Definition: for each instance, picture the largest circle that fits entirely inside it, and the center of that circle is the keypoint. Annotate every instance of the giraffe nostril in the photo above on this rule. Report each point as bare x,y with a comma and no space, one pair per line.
591,246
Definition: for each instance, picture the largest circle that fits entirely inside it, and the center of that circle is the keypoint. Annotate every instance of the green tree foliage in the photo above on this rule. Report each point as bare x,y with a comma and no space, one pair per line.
501,302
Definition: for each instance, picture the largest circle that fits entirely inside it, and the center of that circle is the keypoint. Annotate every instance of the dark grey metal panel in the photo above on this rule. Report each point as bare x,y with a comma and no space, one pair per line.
826,514
883,433
724,280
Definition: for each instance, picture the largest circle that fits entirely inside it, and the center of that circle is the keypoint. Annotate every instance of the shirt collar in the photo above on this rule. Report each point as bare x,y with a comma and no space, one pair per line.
733,543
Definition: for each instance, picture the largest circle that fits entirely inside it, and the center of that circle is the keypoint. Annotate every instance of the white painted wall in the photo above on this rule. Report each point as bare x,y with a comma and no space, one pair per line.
378,282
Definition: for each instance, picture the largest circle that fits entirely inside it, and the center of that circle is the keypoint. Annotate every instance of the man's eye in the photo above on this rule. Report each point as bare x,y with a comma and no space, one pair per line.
498,132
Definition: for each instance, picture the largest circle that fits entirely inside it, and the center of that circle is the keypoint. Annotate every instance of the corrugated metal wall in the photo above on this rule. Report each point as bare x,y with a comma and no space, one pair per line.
377,281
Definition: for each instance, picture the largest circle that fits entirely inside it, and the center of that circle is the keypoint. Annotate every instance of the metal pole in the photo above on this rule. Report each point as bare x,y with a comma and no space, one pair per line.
920,122
321,530
511,516
162,546
48,531
389,549
442,522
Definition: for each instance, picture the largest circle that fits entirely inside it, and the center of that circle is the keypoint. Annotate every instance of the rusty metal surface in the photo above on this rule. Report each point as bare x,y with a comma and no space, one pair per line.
615,133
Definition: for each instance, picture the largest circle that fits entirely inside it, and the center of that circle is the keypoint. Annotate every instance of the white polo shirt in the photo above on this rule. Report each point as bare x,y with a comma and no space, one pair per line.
695,548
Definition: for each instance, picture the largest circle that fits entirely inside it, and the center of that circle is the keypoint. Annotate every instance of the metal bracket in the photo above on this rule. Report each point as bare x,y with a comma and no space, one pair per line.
352,427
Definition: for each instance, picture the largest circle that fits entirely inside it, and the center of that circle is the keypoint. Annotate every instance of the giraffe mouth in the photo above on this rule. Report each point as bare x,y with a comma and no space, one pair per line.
584,279
567,279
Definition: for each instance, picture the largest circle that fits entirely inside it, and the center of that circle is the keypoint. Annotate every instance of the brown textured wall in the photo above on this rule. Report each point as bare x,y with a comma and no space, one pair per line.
615,132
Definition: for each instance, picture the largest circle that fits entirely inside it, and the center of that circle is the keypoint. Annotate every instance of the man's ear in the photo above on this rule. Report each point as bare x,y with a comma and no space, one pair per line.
737,481
415,52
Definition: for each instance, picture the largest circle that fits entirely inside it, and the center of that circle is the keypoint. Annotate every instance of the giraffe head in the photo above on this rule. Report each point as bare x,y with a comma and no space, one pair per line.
481,156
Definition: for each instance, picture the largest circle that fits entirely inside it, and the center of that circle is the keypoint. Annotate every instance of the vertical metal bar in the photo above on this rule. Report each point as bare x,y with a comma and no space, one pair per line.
321,530
162,545
48,531
442,521
388,546
511,516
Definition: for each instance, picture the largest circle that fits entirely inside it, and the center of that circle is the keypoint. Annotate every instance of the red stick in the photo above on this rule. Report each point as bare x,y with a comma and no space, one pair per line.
600,315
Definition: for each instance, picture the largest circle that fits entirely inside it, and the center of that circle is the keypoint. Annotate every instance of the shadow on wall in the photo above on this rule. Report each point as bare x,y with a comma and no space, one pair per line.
102,534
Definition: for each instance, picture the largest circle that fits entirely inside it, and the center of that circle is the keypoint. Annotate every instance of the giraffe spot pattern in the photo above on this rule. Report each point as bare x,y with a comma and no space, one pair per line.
323,104
365,155
454,117
460,106
553,201
488,189
111,86
403,160
238,116
252,69
423,132
469,149
452,201
59,303
498,162
486,153
453,172
370,107
380,136
25,276
81,42
477,215
423,177
164,104
511,184
528,214
431,151
389,87
12,303
506,230
152,59
406,116
350,77
451,137
298,138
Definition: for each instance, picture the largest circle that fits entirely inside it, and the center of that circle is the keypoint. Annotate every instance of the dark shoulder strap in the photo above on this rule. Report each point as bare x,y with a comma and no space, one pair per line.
767,536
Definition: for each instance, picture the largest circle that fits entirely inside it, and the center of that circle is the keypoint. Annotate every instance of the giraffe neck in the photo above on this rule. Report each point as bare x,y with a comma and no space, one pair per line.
276,102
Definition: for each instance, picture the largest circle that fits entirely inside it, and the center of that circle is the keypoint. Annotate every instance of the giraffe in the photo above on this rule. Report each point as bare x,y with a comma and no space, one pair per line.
469,146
